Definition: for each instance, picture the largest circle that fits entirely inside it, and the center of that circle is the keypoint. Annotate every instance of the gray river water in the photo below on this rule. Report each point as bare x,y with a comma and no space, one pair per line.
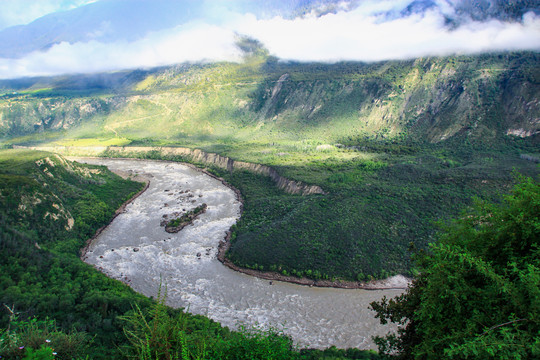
138,251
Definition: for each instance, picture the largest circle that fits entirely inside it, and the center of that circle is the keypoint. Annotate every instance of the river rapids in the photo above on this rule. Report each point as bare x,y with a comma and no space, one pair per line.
135,249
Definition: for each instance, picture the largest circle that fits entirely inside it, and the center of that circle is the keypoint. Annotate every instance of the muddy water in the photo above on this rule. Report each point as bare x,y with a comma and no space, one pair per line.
137,250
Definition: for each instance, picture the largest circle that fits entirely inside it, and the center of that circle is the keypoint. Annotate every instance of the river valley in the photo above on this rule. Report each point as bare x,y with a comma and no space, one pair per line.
135,249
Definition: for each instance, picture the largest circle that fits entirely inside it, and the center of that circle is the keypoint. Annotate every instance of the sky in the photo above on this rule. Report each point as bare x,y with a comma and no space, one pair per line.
360,34
21,12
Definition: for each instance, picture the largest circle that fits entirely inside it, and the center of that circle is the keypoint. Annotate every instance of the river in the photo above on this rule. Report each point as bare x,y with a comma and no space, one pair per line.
134,248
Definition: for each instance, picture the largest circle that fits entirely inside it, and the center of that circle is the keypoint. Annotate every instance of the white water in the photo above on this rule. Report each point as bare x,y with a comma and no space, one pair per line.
314,317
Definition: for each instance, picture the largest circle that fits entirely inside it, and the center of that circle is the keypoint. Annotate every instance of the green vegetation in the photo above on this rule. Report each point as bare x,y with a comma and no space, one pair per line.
377,204
161,335
373,211
396,145
95,142
49,208
186,217
477,291
53,302
239,106
41,340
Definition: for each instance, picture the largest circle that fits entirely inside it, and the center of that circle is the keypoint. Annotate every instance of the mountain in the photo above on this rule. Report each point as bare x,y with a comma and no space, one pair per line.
394,145
504,10
483,97
104,21
480,10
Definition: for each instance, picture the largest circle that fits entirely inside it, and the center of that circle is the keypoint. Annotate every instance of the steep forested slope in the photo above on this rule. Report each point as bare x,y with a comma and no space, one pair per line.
477,292
50,207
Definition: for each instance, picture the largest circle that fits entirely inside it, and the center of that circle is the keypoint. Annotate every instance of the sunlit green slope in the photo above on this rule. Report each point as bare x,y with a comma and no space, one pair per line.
266,101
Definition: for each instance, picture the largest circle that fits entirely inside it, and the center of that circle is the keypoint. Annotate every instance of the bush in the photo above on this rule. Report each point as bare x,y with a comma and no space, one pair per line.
40,339
478,291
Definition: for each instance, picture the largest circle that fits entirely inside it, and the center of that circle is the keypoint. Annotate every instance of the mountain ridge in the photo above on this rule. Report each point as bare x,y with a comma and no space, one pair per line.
478,97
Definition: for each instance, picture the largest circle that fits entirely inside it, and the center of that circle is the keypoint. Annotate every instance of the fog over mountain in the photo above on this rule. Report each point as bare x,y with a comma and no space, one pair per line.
110,35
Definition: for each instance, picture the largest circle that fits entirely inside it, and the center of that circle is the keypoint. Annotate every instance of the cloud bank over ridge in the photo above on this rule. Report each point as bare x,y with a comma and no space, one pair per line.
368,31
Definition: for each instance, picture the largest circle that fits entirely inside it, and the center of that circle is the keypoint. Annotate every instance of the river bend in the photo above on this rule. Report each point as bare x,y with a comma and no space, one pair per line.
134,248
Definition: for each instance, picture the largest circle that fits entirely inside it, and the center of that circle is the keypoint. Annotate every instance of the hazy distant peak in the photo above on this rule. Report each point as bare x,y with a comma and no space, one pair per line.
104,21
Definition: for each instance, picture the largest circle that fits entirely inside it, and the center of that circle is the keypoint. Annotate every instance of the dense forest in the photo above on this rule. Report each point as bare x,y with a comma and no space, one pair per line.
476,295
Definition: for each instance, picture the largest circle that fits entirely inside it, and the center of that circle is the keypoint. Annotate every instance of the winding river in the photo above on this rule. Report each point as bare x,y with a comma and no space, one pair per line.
134,248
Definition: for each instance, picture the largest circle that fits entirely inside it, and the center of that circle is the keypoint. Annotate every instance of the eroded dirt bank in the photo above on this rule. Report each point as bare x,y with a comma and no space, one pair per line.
195,155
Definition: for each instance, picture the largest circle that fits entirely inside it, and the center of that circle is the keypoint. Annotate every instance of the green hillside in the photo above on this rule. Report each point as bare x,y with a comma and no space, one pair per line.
49,208
264,101
395,145
51,299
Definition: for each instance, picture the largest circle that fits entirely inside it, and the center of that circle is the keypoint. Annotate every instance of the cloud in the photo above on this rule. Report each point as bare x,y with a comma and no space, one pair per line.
360,35
189,43
365,33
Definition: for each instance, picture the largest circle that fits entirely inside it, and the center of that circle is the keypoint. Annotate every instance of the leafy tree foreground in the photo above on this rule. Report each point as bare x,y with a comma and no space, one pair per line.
477,295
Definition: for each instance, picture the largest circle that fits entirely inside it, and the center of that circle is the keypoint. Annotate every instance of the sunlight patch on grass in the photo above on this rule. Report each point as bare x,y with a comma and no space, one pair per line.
94,142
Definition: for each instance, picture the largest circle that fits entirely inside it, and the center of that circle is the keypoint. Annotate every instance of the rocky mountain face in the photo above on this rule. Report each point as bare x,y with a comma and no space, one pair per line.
505,10
459,11
37,192
433,98
479,97
19,116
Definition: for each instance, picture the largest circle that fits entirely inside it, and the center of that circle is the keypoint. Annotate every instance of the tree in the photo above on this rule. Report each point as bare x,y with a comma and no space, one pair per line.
478,292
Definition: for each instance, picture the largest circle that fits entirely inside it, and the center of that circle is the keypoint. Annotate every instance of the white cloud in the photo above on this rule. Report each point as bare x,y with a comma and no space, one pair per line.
360,34
188,43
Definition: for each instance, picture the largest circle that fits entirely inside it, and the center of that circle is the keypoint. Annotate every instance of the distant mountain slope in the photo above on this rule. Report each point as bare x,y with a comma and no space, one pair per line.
505,10
481,98
104,21
479,10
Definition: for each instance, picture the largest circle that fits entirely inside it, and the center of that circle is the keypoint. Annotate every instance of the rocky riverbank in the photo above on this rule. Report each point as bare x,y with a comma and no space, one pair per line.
196,155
